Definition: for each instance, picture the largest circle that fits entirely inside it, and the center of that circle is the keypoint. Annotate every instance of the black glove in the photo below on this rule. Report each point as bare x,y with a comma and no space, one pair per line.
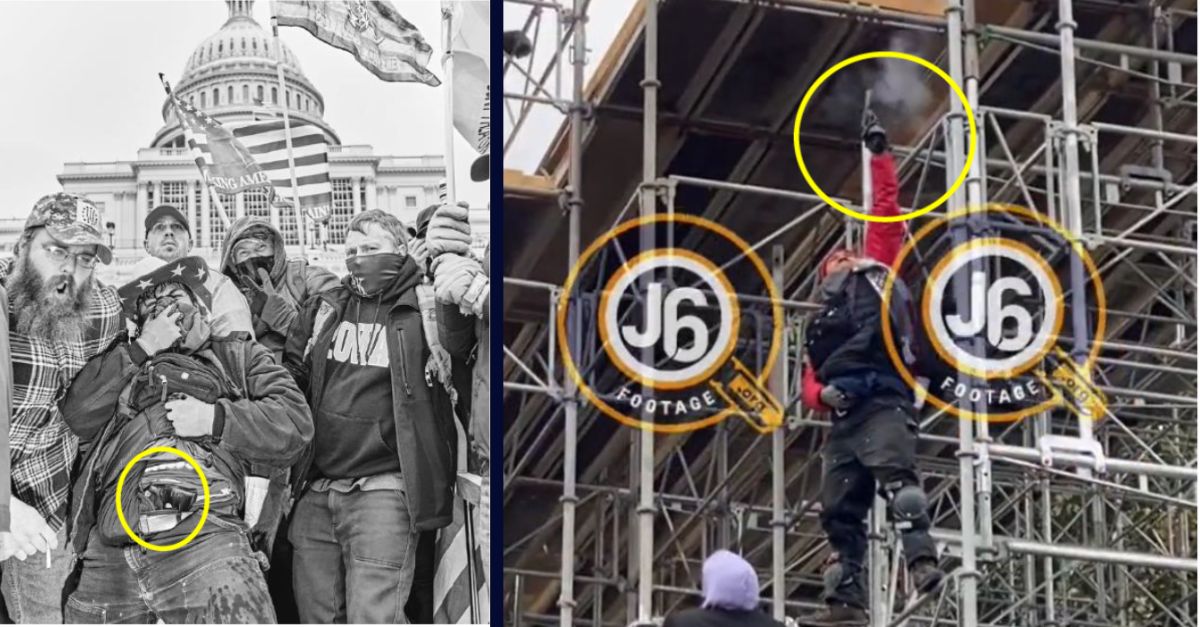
873,135
835,398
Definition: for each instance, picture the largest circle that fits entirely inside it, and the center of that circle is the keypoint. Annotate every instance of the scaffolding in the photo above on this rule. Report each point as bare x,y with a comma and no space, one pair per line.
607,525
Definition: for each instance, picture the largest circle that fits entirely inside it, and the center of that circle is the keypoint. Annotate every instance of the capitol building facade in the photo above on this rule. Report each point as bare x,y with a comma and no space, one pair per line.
232,77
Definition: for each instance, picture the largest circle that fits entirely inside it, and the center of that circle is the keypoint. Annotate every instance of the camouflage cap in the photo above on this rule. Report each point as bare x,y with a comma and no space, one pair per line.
72,220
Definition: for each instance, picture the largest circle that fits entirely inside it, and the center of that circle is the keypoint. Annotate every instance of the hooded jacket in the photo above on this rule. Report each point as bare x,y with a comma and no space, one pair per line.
425,434
293,281
730,596
845,336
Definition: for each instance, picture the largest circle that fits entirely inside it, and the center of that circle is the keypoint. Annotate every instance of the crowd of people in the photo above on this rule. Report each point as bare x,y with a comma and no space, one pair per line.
327,416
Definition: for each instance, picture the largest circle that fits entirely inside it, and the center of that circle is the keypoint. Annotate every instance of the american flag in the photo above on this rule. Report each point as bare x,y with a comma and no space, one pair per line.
460,590
247,155
228,166
267,141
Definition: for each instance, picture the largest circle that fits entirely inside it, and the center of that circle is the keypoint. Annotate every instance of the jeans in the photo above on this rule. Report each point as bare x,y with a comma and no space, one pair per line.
874,446
32,592
355,555
216,578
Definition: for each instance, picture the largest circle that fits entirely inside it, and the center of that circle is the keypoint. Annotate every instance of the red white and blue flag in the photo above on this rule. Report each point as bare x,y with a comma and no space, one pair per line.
266,140
227,166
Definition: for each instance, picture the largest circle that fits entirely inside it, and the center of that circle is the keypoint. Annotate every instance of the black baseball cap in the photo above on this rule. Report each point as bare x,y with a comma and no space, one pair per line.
161,211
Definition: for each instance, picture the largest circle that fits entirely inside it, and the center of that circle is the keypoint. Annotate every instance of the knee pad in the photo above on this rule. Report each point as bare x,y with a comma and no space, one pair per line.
838,574
832,577
908,504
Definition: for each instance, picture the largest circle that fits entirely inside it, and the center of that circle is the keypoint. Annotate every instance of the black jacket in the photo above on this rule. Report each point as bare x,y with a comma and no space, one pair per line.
425,434
268,424
844,339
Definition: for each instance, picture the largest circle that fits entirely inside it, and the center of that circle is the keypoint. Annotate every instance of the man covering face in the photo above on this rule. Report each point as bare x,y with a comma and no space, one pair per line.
193,321
168,239
255,250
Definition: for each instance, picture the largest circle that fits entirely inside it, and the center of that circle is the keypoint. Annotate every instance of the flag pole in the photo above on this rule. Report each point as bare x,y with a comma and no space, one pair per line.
287,133
216,196
448,102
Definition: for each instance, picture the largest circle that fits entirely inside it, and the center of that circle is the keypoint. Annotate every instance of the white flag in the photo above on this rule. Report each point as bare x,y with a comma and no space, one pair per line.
469,47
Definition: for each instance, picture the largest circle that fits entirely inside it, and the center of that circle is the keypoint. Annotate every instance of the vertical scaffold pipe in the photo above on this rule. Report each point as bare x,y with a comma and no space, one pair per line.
956,156
778,520
571,402
1072,205
976,186
649,173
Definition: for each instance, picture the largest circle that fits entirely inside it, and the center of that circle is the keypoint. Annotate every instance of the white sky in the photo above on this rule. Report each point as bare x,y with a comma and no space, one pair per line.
80,83
605,18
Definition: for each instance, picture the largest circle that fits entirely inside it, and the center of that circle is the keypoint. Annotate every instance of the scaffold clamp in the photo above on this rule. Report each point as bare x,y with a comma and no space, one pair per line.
1049,444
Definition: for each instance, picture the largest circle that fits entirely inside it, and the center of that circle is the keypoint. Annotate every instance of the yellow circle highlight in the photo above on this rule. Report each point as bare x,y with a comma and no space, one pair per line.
1016,247
885,54
627,369
573,276
203,513
889,341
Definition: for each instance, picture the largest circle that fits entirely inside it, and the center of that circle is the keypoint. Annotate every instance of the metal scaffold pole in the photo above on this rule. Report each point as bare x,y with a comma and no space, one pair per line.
976,188
645,511
956,151
569,399
1028,531
778,475
1072,204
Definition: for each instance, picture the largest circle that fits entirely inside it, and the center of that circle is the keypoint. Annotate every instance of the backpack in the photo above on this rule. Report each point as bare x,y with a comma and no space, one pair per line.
200,376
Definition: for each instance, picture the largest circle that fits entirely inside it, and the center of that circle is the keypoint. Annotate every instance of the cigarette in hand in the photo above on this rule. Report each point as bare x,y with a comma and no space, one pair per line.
47,558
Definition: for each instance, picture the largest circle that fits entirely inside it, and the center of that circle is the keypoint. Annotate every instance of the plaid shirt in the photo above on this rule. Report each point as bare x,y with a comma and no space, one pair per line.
43,448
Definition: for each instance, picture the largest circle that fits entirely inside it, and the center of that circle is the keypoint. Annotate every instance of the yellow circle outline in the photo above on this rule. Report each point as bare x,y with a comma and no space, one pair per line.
885,54
1020,248
203,513
564,301
889,341
726,351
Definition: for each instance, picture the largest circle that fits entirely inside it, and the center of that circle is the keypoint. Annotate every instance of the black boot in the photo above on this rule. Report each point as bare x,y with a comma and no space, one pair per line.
926,575
835,616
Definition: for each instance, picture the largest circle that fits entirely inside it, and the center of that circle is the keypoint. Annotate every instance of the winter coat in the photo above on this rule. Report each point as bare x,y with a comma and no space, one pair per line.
844,340
294,282
265,422
425,434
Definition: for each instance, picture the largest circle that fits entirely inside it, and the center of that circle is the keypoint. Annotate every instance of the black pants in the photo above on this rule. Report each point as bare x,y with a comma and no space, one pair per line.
871,448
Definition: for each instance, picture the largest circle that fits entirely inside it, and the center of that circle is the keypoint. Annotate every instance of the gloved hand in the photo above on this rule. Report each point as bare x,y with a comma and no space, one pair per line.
834,398
461,281
420,252
449,231
873,134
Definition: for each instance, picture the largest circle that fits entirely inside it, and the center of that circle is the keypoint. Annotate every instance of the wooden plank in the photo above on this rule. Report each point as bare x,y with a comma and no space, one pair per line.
521,184
556,157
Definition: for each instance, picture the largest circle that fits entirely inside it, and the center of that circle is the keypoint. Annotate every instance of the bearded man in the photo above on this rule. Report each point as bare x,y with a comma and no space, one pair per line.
59,318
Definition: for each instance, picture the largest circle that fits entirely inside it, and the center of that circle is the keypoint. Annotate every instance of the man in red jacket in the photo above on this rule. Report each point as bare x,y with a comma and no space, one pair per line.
872,444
